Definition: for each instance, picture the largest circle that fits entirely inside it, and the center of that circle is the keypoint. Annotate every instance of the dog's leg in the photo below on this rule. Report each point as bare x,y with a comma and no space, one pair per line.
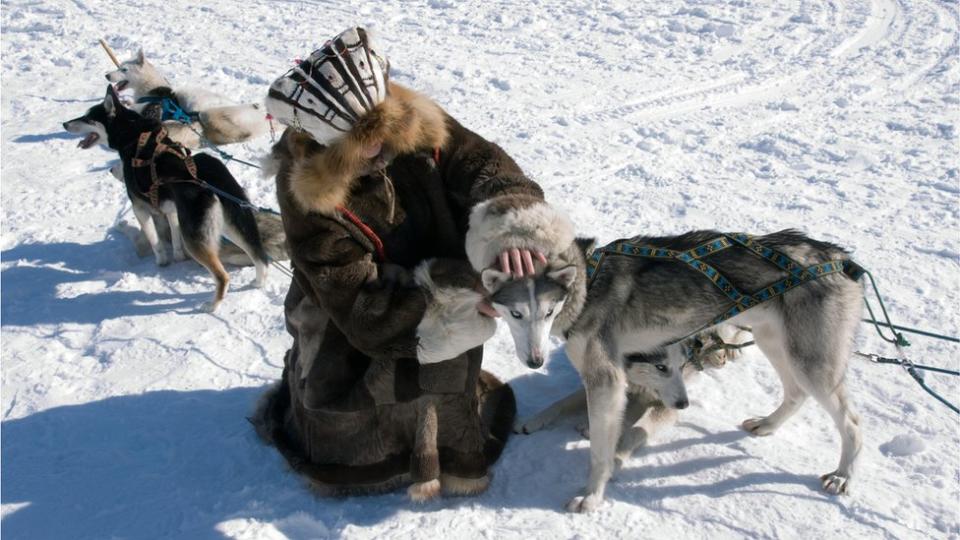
425,462
653,419
771,342
261,266
143,215
571,404
207,256
837,405
176,237
606,399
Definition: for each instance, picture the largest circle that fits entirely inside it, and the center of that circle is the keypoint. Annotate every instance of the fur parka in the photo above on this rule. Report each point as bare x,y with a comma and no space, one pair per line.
383,384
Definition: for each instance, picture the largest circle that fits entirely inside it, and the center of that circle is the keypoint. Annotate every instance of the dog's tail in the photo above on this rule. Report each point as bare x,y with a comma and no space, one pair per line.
240,219
233,123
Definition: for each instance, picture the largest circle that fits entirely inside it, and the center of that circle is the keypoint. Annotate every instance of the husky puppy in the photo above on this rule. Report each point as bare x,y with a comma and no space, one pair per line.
218,119
622,336
197,217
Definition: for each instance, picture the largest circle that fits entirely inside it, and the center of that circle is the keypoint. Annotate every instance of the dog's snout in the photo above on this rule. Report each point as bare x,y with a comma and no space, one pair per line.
107,77
535,361
65,124
682,403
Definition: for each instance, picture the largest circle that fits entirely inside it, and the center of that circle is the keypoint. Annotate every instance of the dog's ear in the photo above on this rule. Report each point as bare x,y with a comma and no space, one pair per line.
586,244
564,276
493,279
111,102
140,58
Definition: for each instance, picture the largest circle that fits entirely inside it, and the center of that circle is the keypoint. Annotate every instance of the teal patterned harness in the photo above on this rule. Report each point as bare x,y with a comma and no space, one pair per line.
739,301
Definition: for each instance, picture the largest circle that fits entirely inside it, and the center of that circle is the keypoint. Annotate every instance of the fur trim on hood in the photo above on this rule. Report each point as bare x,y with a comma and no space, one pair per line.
516,221
321,176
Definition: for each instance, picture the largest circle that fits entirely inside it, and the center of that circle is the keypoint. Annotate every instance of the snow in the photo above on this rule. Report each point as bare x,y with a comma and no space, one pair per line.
124,407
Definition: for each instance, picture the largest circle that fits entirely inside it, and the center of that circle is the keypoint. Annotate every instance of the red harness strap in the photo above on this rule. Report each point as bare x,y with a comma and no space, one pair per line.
366,230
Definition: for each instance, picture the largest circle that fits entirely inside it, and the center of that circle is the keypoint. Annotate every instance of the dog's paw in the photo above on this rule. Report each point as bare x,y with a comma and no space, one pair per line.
584,430
835,483
179,255
162,259
209,307
758,427
584,503
424,491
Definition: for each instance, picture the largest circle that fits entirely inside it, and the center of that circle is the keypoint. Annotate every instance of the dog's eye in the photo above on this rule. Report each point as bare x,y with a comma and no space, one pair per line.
123,70
549,313
661,368
516,314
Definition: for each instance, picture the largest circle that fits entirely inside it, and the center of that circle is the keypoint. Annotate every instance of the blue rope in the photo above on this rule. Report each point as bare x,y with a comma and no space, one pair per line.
239,201
171,110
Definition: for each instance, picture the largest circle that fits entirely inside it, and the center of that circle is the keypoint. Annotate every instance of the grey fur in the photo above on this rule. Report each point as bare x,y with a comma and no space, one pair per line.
638,306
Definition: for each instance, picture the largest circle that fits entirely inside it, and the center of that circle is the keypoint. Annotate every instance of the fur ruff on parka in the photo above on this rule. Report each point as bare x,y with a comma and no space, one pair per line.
383,385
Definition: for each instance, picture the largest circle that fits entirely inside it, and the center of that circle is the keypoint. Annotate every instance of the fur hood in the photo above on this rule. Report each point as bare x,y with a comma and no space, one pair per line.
321,177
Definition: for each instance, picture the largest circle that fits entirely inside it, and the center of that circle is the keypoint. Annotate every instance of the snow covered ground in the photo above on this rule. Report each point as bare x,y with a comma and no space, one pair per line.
123,406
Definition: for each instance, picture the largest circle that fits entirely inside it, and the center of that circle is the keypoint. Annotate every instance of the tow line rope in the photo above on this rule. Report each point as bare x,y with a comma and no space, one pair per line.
914,370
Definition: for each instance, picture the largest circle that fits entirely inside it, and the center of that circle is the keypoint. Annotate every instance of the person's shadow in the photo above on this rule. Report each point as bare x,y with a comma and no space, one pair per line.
180,464
159,464
184,463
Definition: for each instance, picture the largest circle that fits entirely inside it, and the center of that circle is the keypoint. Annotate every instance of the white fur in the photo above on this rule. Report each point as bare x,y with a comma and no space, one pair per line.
269,165
84,128
451,324
539,227
218,113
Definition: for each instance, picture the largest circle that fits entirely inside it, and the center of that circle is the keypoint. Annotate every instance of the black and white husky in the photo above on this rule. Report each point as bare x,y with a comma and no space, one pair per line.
621,335
218,119
197,216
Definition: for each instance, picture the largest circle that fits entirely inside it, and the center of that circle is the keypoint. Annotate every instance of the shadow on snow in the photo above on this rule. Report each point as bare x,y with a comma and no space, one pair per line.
35,272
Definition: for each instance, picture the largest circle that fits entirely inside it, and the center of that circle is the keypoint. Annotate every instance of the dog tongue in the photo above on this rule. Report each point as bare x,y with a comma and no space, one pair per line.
88,141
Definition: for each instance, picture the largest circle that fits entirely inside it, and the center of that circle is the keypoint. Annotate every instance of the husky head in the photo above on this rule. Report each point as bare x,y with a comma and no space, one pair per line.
661,374
137,74
108,123
529,306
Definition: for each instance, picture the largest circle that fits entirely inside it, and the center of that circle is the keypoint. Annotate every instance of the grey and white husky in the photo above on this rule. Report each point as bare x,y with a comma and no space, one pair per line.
622,337
218,119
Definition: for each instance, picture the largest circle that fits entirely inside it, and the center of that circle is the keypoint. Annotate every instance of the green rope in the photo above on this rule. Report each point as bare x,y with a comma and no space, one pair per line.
916,331
877,359
899,341
897,338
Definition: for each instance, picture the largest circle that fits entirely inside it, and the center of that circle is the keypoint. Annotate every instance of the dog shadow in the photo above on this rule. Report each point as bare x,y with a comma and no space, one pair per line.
35,274
44,137
633,483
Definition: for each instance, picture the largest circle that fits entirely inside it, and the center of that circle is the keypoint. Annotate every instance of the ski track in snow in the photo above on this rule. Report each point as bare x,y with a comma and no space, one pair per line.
124,407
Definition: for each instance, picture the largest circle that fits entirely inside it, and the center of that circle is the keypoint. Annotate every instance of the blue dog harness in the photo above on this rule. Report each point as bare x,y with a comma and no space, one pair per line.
171,110
739,301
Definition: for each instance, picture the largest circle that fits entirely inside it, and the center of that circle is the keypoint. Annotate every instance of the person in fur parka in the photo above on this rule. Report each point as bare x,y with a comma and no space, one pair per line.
391,208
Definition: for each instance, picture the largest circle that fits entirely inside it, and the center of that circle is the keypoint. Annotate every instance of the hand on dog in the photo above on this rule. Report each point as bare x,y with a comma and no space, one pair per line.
519,262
